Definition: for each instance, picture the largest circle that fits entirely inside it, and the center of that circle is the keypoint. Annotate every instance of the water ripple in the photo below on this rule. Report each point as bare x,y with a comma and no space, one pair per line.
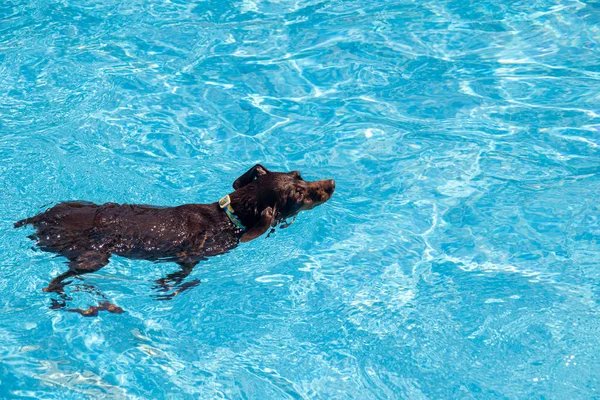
458,257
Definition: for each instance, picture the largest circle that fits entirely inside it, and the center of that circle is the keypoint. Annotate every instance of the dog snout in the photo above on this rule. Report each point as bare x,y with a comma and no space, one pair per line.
330,187
320,192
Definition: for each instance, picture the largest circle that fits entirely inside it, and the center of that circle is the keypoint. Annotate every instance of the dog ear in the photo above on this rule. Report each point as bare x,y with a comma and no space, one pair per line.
250,175
263,225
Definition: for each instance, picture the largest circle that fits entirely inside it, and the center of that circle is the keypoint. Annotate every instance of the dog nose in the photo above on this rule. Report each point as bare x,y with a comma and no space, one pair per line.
331,187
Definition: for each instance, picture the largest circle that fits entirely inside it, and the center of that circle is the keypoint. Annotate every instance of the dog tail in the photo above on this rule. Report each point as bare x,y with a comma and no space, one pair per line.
21,223
27,221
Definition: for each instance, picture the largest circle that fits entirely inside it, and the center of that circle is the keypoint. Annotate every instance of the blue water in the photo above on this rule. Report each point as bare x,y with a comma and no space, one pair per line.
458,258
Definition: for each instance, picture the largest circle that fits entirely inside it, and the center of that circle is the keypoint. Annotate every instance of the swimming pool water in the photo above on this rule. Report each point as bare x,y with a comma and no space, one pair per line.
458,258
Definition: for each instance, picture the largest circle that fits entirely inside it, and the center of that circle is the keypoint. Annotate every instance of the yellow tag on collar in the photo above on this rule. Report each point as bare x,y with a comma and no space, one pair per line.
225,201
225,204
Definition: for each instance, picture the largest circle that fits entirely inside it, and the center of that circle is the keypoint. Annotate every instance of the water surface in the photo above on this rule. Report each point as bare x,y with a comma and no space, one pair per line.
458,258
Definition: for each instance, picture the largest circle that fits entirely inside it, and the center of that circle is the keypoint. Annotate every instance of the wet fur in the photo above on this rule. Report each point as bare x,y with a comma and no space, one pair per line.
87,234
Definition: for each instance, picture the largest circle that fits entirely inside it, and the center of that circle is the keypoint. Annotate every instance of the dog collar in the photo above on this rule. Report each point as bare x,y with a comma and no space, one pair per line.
225,204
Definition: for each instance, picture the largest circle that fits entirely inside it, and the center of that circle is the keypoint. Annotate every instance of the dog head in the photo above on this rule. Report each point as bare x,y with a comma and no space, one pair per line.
286,193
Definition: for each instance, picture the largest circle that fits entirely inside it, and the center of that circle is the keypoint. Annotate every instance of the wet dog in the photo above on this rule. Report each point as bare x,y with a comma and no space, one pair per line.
88,234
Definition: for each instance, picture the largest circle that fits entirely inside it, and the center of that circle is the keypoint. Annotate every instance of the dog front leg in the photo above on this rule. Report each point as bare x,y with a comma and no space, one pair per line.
176,278
263,224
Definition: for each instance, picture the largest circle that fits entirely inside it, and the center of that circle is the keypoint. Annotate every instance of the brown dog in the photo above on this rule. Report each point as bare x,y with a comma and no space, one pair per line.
87,234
